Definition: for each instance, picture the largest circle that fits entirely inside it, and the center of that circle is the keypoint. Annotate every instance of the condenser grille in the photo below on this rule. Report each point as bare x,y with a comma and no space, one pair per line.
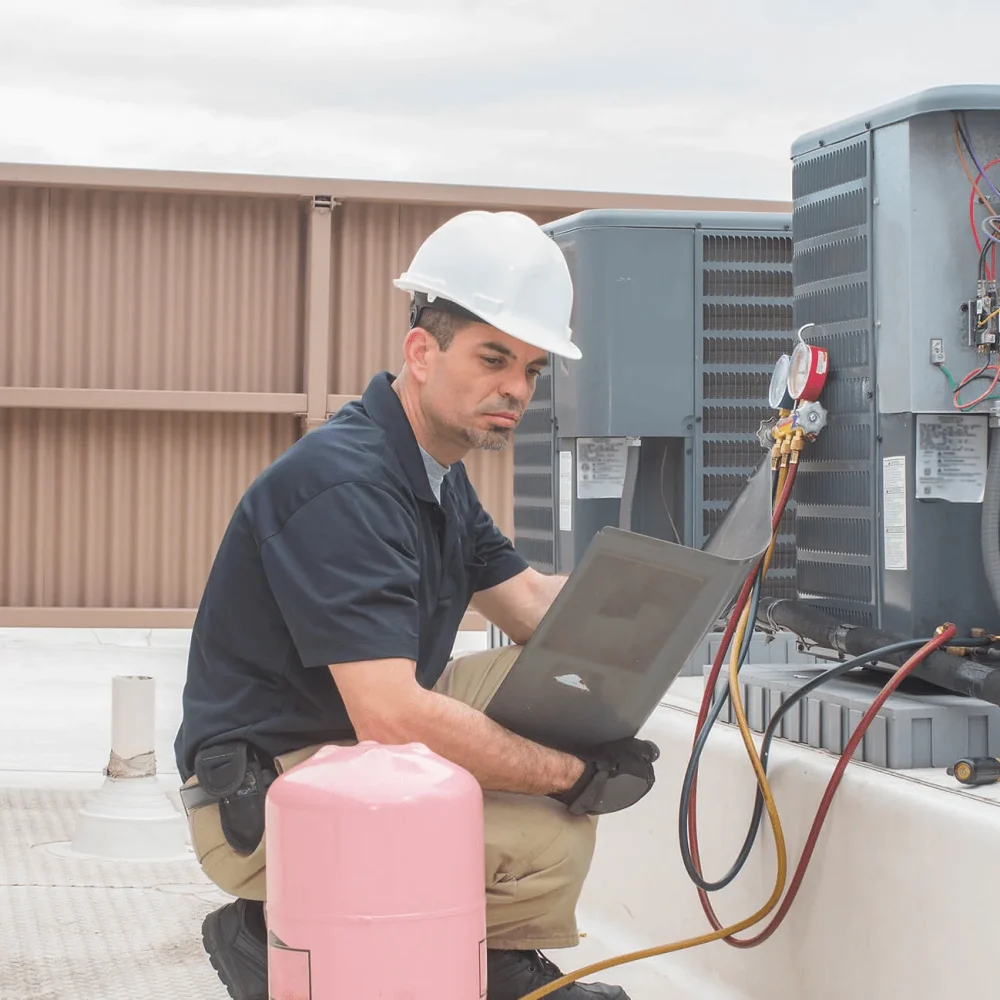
746,316
534,453
742,350
533,485
833,215
749,385
537,552
836,305
533,518
721,489
534,480
835,488
734,419
840,535
746,324
830,170
822,488
731,454
744,284
832,260
840,441
726,249
834,582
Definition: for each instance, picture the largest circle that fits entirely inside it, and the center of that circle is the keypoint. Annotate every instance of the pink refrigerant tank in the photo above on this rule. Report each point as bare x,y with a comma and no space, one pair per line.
375,878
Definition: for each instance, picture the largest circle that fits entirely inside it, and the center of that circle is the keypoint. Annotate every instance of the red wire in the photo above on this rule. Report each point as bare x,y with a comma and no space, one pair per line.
972,216
968,379
990,272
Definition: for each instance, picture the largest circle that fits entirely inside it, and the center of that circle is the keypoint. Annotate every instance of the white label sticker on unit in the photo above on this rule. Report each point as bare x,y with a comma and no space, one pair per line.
951,457
565,491
894,512
600,468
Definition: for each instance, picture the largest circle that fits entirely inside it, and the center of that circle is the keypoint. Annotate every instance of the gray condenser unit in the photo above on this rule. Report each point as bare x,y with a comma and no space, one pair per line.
680,318
886,225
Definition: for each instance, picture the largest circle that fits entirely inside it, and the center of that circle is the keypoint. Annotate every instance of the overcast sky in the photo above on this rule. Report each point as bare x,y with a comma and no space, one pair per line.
700,97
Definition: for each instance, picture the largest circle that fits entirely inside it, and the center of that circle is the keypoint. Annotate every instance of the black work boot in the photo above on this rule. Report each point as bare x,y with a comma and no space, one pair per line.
514,974
235,937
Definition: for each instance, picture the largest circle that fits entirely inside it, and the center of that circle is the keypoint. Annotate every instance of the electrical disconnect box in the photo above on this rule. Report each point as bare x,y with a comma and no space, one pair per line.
894,223
680,318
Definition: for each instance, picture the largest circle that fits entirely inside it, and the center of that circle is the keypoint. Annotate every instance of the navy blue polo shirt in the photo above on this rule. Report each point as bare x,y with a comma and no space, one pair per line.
339,551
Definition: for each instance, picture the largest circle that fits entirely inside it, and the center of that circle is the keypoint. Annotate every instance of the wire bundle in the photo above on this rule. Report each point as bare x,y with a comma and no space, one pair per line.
740,628
986,269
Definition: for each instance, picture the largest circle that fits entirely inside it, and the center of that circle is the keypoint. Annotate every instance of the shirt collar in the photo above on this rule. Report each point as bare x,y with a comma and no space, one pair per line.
384,407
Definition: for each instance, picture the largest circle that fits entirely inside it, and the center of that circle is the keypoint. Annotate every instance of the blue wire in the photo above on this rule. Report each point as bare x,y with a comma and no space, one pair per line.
968,146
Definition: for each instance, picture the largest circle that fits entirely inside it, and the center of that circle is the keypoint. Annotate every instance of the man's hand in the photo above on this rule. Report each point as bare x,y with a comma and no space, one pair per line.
615,776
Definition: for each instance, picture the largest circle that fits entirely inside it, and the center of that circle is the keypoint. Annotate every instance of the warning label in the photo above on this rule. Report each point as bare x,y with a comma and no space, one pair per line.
565,491
894,512
600,467
951,457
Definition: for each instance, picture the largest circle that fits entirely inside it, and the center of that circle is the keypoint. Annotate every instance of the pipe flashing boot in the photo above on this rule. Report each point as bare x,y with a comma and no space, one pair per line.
514,974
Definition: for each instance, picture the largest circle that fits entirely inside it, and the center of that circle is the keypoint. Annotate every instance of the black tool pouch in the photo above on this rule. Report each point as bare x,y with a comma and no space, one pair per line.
232,774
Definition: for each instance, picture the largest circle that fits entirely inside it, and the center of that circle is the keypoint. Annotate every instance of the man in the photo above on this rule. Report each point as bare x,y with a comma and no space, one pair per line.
334,601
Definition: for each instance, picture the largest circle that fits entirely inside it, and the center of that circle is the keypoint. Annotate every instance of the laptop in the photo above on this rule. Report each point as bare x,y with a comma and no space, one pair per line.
629,617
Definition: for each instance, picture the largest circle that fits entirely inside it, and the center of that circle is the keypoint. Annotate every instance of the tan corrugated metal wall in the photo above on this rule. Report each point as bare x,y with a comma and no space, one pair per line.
164,336
182,322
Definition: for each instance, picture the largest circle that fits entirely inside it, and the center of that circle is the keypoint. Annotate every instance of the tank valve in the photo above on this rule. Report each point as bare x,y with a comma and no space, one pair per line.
976,770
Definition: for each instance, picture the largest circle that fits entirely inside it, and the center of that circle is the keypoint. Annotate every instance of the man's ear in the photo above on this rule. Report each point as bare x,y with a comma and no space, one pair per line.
418,350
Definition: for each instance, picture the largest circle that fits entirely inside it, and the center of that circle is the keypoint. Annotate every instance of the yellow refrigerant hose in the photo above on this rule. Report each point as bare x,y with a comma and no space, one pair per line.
788,452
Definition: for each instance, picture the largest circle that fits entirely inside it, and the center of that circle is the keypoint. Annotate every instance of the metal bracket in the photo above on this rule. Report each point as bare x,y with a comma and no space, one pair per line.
324,203
839,637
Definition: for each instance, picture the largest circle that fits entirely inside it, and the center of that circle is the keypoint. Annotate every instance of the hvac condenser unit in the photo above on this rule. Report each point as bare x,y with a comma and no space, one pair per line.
680,318
887,225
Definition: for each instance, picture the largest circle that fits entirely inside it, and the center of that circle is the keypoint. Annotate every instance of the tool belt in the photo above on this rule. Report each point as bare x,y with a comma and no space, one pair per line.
234,776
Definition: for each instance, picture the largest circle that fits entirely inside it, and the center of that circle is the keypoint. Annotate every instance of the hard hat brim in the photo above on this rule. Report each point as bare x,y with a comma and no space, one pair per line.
518,328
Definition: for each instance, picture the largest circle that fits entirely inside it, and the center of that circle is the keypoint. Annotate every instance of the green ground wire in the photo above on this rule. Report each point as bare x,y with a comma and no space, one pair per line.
954,385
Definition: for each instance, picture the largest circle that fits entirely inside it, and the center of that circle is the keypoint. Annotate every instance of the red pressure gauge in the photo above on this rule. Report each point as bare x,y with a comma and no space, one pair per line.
808,371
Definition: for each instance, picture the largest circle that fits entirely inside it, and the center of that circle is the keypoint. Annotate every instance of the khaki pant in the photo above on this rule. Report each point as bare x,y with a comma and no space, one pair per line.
537,854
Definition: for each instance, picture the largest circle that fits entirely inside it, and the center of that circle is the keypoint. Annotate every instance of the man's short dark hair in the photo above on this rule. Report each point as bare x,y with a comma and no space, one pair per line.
441,322
441,325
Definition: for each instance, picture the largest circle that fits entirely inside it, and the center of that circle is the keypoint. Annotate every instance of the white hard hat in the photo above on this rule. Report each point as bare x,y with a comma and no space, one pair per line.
501,267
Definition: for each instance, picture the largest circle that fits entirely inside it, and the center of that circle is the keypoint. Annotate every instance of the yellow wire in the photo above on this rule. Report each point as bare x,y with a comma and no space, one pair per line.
769,803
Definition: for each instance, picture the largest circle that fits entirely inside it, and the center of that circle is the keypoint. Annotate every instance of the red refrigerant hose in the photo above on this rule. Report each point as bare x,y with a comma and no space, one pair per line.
944,635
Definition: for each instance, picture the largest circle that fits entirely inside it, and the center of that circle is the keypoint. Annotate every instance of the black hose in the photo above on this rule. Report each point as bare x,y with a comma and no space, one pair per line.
953,673
904,646
990,523
796,696
720,699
